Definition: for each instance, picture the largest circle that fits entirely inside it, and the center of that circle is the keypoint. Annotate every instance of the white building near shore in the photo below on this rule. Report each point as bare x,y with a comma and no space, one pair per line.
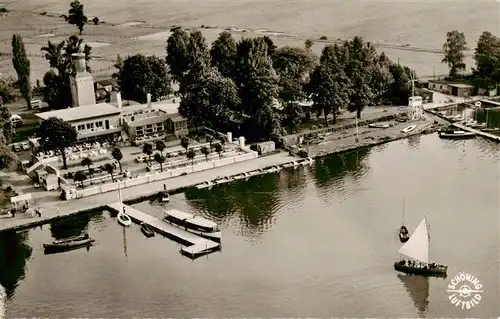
104,121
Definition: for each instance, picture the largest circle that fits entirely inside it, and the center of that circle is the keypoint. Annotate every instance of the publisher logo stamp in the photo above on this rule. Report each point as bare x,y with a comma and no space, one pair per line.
465,291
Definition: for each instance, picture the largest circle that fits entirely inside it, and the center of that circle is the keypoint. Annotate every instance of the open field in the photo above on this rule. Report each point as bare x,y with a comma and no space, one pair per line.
410,31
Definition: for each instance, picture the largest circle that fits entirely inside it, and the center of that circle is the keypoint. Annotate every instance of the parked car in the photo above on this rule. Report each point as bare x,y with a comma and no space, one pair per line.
16,120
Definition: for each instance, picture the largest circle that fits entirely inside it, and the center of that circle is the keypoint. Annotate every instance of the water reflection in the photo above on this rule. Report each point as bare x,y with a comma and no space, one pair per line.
14,252
418,288
414,141
334,168
71,226
253,202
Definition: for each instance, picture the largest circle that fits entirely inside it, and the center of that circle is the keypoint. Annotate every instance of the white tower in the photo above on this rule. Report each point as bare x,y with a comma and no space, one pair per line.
82,84
414,102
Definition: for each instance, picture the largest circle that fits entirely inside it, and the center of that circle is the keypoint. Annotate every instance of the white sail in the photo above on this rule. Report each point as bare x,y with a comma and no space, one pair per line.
417,247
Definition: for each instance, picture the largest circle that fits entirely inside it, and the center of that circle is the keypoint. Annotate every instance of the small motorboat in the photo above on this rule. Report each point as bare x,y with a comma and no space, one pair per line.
68,243
222,180
378,125
164,197
147,230
124,219
455,134
408,129
203,185
491,129
308,161
241,176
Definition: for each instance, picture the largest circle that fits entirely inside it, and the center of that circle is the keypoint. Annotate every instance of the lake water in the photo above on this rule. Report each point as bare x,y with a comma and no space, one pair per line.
316,241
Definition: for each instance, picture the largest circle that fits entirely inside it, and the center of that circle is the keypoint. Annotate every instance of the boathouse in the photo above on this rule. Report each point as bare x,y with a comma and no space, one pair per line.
452,88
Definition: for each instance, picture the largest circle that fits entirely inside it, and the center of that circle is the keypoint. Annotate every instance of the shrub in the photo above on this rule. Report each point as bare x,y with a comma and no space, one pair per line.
323,37
302,154
95,21
4,10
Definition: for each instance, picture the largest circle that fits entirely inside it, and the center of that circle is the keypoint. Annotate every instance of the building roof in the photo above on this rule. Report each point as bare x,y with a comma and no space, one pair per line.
81,112
461,85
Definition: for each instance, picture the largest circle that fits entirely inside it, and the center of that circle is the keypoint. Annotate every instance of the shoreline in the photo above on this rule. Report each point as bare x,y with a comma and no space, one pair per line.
176,185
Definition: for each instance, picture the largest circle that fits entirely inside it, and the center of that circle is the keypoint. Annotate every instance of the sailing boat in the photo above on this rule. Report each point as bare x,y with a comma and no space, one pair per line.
404,235
123,218
418,249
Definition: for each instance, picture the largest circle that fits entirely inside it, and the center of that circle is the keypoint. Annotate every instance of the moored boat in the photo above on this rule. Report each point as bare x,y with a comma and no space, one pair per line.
222,180
205,184
479,126
491,129
455,134
418,249
124,219
241,176
68,243
408,129
378,125
193,223
147,230
165,196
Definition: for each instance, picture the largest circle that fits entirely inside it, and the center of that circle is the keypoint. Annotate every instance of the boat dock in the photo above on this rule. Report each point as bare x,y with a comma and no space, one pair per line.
195,245
477,132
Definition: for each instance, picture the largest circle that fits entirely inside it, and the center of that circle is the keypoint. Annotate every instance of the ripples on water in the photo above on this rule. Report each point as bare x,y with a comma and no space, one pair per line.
316,241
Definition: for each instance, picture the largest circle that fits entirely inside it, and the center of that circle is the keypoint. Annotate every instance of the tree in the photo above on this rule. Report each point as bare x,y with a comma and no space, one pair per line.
95,20
87,161
109,168
160,159
210,99
8,130
57,88
400,88
56,134
190,155
210,140
80,177
148,150
22,65
293,66
177,54
185,142
223,53
454,49
118,156
160,146
359,57
293,116
205,151
257,84
139,75
219,149
329,85
487,57
76,16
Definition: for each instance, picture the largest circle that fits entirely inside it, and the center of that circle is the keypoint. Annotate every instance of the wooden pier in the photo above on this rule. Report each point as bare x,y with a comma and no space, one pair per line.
195,245
477,132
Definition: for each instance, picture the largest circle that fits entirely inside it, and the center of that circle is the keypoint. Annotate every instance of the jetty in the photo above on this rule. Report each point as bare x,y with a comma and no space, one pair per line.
477,132
195,245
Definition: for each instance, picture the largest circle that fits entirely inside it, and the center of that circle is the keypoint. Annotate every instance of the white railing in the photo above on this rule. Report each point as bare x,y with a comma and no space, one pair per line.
134,181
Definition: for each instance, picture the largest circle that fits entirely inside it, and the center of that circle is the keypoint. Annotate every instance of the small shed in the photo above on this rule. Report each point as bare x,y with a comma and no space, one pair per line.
266,147
21,201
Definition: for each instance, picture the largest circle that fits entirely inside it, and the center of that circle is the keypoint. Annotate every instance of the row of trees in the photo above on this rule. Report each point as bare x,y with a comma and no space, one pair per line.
254,82
486,57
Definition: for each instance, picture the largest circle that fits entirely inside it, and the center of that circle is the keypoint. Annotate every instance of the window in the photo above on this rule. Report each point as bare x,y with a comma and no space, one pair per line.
90,126
159,127
81,127
98,124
